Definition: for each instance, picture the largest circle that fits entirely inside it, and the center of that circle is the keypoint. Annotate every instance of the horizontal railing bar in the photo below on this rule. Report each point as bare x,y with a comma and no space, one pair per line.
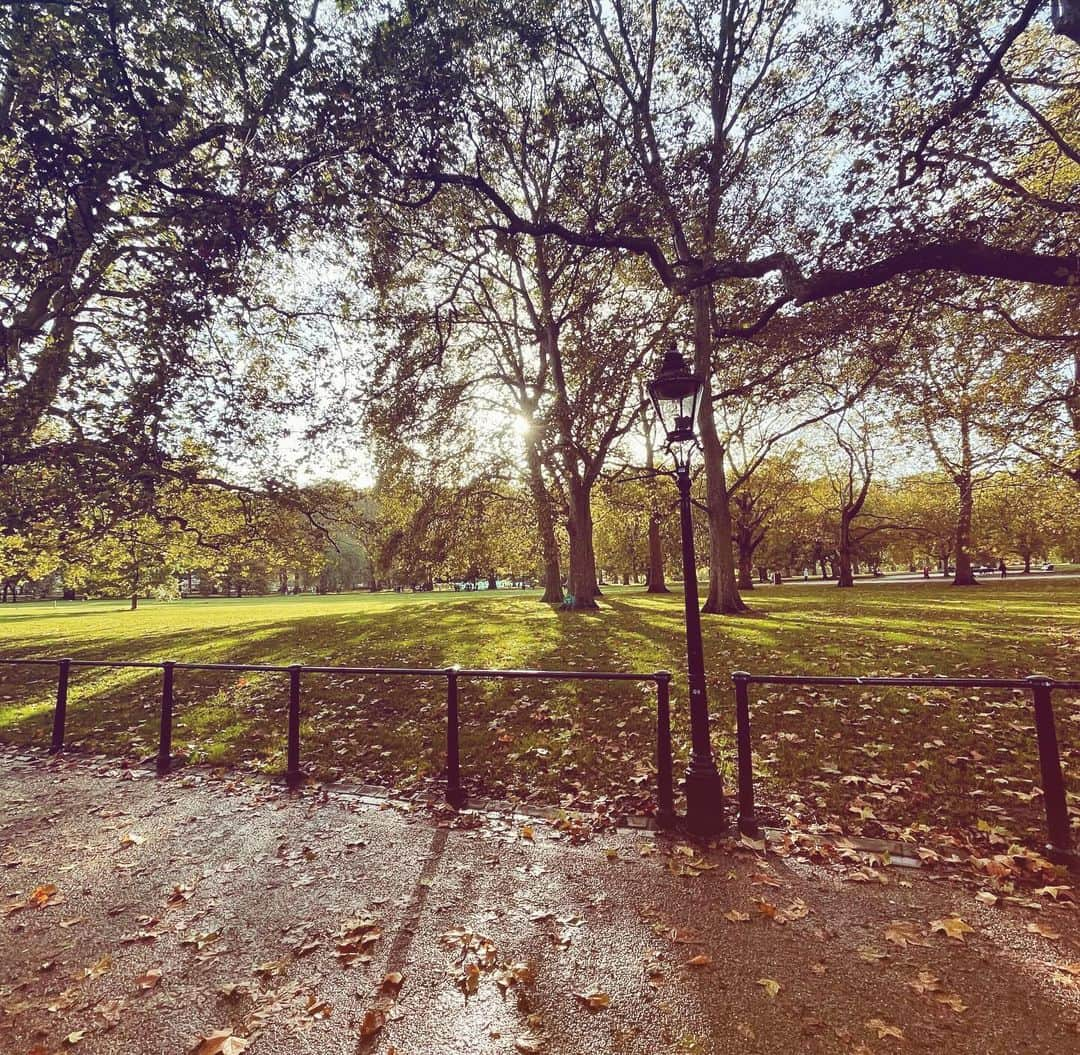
986,683
415,672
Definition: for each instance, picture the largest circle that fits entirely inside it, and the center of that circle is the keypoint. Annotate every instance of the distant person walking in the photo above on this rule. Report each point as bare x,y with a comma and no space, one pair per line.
1002,568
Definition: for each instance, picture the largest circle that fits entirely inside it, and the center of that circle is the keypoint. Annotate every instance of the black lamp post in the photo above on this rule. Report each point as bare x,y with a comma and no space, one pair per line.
676,394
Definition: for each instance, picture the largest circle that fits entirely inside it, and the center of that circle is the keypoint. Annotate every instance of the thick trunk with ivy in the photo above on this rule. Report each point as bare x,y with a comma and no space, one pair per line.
723,596
656,583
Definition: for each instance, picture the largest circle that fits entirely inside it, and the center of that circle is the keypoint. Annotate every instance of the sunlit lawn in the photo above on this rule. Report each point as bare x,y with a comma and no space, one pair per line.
869,761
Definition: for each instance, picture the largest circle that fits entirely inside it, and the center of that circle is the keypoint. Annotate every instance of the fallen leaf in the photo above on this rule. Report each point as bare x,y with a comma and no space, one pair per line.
220,1042
131,839
75,1037
770,985
925,983
530,1043
42,895
392,983
735,916
903,932
883,1030
374,1020
953,926
98,968
951,1000
148,980
701,960
1044,930
595,999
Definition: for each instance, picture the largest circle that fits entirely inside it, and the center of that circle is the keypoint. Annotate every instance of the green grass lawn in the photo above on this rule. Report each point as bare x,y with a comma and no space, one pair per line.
864,760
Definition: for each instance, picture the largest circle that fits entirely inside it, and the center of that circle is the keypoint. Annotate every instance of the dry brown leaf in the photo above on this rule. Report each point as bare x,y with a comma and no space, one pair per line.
1043,930
374,1020
220,1042
595,999
770,985
148,980
701,960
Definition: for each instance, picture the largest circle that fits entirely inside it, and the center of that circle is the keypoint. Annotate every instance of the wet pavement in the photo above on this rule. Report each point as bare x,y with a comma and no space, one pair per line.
328,923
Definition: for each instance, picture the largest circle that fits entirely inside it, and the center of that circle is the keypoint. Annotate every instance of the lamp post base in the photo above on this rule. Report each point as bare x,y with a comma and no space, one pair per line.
704,800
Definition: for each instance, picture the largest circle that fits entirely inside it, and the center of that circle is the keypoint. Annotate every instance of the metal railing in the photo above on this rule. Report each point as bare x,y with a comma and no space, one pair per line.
1059,847
665,798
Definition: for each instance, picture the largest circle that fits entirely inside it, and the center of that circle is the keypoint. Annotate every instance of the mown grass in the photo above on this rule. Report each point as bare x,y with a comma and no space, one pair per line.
866,761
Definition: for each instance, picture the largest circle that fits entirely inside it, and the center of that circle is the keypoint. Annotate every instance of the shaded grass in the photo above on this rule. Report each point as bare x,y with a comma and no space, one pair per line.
872,762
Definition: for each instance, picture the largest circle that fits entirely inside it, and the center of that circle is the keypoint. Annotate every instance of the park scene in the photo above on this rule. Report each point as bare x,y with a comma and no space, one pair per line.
539,527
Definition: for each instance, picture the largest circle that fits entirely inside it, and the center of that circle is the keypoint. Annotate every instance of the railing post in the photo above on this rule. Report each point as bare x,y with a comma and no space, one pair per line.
748,824
1059,848
165,736
454,794
665,793
60,713
293,775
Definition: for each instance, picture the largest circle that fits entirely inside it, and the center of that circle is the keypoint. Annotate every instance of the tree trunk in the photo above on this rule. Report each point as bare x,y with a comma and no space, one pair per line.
1027,563
964,574
656,582
583,587
134,601
723,597
545,520
493,583
746,564
843,560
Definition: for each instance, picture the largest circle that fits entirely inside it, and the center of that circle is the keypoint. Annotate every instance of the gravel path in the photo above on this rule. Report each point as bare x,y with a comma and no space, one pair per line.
326,923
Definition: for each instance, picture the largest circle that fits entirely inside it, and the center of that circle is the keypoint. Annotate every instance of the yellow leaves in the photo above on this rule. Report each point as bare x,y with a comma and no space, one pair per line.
771,987
701,960
148,980
131,839
883,1029
74,1037
527,832
220,1042
735,916
1043,930
952,926
595,999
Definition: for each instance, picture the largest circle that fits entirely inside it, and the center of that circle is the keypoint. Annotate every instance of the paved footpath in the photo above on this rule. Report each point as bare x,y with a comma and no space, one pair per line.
198,914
